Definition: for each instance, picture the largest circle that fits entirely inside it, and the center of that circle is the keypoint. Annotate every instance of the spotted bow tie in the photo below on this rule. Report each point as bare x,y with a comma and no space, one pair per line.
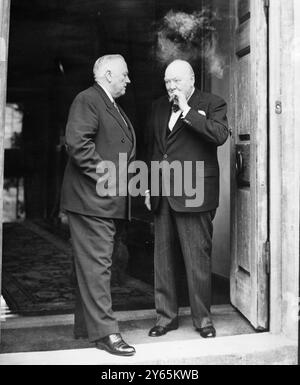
175,107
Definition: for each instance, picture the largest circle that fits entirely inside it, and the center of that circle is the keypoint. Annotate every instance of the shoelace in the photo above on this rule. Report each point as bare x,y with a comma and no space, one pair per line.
116,338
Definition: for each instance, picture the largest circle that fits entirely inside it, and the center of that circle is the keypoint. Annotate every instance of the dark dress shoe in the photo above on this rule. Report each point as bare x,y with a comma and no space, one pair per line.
158,331
114,344
207,332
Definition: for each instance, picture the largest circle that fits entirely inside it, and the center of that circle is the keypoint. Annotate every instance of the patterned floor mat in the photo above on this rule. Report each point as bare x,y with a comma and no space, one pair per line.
37,267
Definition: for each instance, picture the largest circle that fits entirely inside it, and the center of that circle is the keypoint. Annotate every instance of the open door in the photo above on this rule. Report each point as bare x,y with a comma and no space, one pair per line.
249,159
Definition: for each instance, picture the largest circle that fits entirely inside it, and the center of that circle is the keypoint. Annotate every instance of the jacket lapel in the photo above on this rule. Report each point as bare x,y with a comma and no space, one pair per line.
176,128
196,102
179,124
164,114
131,135
111,109
129,128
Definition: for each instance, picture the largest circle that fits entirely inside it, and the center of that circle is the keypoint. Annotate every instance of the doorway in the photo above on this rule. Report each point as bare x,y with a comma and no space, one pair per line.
74,34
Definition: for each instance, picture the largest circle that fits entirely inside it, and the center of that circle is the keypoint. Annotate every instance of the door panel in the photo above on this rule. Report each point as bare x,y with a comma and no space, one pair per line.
249,278
243,102
243,9
243,224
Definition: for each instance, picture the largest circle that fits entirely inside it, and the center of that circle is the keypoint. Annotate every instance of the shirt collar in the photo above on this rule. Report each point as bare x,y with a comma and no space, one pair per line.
107,93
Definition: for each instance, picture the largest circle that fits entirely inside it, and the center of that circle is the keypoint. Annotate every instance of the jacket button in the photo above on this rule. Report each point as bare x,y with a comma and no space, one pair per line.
123,140
165,156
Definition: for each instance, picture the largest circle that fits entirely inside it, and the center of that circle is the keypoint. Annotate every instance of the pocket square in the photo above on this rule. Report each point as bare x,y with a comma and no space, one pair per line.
201,112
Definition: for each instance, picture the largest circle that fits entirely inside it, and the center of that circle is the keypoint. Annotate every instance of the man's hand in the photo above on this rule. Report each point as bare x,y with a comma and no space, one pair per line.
180,99
147,200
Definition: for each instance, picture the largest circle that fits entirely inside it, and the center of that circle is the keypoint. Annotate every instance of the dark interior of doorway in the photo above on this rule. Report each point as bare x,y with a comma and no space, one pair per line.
53,46
38,273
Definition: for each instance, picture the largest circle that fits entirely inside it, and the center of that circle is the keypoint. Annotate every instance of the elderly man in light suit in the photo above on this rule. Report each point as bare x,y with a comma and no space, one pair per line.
186,125
97,130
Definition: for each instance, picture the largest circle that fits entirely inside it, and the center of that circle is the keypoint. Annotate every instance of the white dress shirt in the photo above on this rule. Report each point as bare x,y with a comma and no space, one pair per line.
113,102
107,93
175,115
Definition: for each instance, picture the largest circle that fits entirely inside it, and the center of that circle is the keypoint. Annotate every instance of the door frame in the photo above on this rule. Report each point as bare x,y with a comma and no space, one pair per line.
284,96
284,170
4,33
249,276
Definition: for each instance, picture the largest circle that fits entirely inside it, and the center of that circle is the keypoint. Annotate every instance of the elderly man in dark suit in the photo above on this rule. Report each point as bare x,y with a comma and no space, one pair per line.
186,126
98,131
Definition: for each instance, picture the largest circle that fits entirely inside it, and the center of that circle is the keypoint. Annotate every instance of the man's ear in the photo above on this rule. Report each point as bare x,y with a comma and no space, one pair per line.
108,76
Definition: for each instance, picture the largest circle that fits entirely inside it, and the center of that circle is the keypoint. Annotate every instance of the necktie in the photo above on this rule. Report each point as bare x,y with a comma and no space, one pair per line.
117,108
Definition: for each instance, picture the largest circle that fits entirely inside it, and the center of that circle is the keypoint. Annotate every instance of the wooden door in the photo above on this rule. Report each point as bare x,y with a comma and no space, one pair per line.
4,28
249,93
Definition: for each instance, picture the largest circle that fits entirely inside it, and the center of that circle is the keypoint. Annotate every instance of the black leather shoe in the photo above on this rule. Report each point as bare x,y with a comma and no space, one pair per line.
114,344
158,331
208,332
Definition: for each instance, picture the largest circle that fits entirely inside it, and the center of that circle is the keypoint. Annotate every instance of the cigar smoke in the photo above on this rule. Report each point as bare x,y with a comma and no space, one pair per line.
190,37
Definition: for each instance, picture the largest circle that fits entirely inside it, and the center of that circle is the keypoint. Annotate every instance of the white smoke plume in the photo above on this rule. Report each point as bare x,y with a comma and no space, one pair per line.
190,37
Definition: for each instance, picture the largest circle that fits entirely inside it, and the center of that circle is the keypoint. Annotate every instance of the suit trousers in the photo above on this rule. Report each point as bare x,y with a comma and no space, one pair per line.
93,242
186,236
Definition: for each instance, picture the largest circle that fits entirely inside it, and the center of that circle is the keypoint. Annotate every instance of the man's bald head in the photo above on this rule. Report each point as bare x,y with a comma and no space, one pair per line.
180,76
106,63
111,72
180,66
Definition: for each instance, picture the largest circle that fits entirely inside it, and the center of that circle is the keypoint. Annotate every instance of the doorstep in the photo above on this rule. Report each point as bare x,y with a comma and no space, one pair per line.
257,349
237,343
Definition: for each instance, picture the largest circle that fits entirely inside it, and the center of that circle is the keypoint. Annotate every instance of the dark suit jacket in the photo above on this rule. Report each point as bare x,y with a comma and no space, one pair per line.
95,132
194,138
